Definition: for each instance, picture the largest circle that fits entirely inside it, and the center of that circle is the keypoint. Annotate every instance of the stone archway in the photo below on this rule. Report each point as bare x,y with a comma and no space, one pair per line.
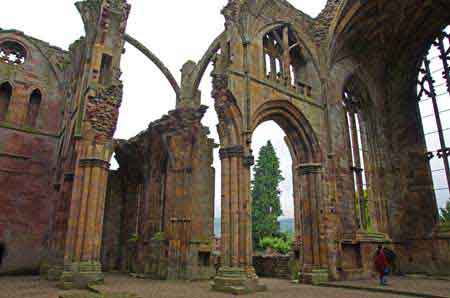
307,183
236,157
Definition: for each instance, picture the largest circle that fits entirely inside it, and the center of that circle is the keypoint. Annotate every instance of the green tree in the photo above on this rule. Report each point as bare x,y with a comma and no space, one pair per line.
266,206
445,214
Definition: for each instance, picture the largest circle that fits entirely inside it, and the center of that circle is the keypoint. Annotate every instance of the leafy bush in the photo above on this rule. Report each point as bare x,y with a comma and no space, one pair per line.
133,238
281,244
445,214
159,236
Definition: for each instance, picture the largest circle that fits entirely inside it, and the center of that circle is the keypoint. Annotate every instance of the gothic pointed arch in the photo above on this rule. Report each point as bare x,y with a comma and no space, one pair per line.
6,91
34,105
302,138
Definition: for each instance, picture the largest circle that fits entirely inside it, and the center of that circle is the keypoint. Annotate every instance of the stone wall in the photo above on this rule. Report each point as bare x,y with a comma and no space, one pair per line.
273,266
160,203
29,140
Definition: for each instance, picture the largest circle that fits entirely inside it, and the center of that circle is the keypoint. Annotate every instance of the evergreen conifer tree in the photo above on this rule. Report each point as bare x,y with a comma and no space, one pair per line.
266,207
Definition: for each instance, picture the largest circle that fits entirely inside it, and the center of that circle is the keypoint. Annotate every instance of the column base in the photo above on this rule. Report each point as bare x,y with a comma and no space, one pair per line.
237,281
81,275
315,276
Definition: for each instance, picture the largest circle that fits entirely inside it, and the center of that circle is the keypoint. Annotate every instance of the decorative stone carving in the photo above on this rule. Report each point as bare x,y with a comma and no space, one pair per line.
234,151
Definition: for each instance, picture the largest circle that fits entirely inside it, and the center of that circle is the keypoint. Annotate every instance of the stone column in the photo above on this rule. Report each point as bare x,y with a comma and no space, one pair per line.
57,247
83,241
236,274
315,264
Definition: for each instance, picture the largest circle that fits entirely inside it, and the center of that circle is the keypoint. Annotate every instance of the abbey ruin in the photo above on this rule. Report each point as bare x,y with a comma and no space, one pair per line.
343,86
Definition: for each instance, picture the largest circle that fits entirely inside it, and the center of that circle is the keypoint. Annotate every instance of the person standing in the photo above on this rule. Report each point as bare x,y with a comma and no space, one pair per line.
381,265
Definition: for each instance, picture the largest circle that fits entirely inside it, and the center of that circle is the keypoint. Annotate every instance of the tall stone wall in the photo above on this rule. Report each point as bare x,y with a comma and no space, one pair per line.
163,194
29,142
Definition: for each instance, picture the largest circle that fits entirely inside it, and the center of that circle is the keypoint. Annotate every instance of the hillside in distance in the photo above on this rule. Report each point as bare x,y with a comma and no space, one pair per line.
286,226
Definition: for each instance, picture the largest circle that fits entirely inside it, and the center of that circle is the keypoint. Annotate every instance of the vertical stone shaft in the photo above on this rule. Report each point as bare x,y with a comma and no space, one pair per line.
83,238
247,217
226,221
315,255
234,197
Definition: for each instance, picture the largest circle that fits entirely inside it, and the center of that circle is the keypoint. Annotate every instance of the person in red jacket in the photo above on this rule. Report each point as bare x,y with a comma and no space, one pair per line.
381,265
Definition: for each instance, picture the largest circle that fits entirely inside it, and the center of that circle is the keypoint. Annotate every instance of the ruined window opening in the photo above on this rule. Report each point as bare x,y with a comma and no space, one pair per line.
359,153
12,53
204,258
278,69
106,70
284,59
434,104
33,107
5,99
267,65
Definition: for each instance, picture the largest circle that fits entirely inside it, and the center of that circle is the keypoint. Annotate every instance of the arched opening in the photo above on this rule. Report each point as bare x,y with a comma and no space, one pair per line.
136,115
307,181
283,213
434,106
357,142
5,99
285,59
211,121
34,105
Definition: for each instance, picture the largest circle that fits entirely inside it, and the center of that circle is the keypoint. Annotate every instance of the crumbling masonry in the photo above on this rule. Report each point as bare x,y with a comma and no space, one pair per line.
343,87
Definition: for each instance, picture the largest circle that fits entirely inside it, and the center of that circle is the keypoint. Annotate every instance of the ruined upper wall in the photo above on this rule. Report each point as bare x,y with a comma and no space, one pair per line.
42,69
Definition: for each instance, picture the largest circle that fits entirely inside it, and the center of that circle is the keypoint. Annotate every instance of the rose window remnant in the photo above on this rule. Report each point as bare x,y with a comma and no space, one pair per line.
12,53
434,104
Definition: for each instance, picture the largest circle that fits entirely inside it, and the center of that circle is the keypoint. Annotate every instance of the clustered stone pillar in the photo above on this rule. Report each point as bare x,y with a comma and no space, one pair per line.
315,262
84,234
236,274
57,244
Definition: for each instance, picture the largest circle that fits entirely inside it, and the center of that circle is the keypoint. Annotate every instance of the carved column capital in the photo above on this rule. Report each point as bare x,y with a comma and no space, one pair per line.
92,162
233,151
248,161
309,168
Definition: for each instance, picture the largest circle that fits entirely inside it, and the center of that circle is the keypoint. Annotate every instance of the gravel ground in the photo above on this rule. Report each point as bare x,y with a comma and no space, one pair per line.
276,288
28,287
33,287
413,285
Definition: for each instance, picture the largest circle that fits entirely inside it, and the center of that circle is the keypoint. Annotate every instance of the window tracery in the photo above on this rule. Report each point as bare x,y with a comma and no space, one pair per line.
284,59
434,104
12,53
